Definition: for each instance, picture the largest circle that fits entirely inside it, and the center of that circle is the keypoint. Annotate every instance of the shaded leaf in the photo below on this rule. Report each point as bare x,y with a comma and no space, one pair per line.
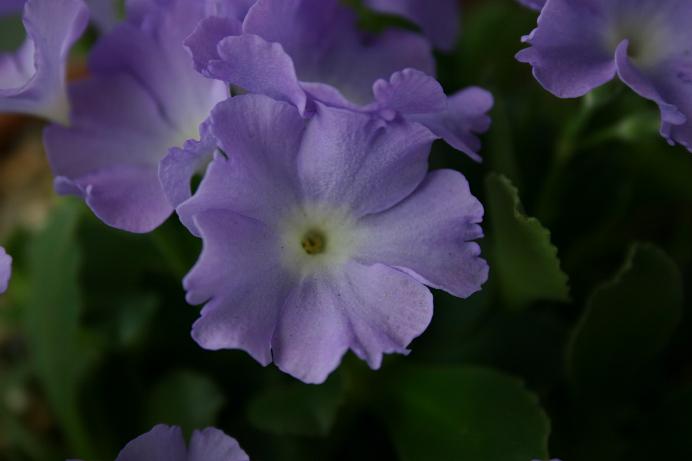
187,399
51,319
455,413
627,321
298,409
524,262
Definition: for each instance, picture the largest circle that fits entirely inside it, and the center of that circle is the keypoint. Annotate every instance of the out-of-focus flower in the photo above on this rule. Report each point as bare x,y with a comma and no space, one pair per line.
32,80
104,13
533,4
439,19
303,51
580,45
166,443
5,269
320,236
142,98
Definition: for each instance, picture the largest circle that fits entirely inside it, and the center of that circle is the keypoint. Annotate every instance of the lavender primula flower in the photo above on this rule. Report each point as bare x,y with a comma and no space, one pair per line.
32,79
320,236
166,443
580,45
439,19
142,98
307,51
5,269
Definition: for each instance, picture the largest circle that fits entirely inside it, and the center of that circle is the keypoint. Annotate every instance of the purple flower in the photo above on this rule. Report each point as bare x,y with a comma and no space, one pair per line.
32,80
143,98
103,13
307,51
580,45
166,443
319,236
533,4
439,19
5,269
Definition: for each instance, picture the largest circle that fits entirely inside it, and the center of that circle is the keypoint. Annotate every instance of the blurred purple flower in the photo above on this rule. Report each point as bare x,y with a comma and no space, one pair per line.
303,51
32,80
319,236
580,45
143,97
533,4
439,19
5,269
104,13
166,443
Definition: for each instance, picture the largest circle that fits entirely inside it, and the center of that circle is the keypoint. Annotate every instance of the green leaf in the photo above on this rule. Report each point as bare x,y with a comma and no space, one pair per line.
523,260
185,398
298,409
627,322
51,320
455,413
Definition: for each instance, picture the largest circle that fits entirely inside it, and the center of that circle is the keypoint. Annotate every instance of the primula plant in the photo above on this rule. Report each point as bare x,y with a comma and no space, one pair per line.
445,254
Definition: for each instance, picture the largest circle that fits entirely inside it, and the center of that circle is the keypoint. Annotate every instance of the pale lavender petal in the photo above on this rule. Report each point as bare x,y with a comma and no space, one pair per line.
212,444
409,92
568,50
5,269
162,443
671,116
261,138
430,235
439,19
180,165
33,79
465,117
371,309
347,157
204,40
240,278
116,135
533,4
258,66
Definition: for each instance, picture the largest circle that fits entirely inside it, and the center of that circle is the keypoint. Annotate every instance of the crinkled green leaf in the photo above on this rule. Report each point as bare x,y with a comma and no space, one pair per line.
51,319
465,413
298,409
627,321
185,398
524,263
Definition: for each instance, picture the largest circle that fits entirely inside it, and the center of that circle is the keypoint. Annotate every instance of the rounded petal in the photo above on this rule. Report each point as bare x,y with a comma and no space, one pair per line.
5,269
33,80
258,66
323,40
212,444
240,278
371,309
439,19
204,40
409,92
669,86
465,116
162,443
430,235
569,52
260,138
350,158
180,165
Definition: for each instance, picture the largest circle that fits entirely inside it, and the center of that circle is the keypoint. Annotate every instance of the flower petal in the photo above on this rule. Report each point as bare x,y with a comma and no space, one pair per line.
409,92
439,19
5,269
372,309
430,235
162,443
33,80
351,158
212,444
568,52
240,278
257,178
